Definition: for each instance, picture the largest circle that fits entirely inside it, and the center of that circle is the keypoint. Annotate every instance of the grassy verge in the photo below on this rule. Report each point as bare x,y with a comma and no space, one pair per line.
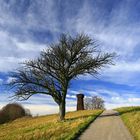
131,117
47,127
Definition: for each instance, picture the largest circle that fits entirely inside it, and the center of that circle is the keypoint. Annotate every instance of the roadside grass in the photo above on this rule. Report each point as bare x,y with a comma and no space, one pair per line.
131,118
48,127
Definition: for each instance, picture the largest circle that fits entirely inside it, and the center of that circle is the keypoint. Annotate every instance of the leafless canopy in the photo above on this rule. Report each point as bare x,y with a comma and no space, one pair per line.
94,102
52,72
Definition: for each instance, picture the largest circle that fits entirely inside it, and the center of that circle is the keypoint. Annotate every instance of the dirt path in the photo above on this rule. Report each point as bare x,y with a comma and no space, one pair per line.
108,126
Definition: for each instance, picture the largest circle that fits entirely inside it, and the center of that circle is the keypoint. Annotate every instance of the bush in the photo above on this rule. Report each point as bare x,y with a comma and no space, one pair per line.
11,112
3,117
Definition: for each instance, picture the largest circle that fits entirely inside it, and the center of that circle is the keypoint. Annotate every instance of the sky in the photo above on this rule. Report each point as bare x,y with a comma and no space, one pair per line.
29,26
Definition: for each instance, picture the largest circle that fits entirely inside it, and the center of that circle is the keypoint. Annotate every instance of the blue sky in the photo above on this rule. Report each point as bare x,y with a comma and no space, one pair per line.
29,26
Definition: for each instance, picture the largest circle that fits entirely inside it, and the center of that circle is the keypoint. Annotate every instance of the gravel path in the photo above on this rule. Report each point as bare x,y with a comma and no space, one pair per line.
108,126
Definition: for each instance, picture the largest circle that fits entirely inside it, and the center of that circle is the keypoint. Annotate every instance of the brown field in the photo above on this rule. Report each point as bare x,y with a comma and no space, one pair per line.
48,127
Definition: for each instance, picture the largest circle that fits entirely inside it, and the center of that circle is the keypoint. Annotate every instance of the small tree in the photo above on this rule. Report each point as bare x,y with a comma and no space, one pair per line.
12,111
94,102
53,71
87,103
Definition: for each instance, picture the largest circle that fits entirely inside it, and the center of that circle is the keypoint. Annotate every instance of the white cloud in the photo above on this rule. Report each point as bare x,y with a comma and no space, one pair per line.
73,91
123,103
9,79
42,109
125,66
29,47
71,96
9,63
1,81
12,51
134,100
123,72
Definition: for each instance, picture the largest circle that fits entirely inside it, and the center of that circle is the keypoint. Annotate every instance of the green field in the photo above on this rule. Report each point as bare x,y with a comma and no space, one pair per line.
48,127
131,117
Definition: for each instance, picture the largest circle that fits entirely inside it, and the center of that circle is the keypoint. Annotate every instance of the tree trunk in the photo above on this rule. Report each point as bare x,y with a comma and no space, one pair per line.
62,110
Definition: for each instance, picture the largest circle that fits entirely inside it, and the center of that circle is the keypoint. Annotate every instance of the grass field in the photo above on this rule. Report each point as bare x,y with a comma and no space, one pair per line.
131,117
48,127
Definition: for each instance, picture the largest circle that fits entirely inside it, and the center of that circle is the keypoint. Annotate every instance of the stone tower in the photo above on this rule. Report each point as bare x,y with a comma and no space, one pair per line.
80,102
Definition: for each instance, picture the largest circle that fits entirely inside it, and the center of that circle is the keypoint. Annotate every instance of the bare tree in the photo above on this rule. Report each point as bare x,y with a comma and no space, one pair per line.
87,103
94,102
53,71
